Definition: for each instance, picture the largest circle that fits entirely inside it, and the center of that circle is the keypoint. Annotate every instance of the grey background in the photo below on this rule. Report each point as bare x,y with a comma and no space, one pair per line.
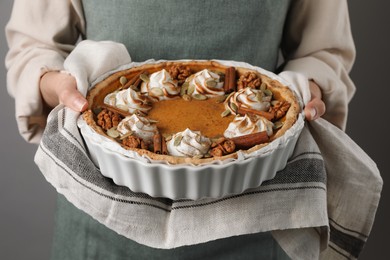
27,201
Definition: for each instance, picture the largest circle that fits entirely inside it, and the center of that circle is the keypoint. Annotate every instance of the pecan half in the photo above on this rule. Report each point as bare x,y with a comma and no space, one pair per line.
134,142
279,109
222,147
249,79
179,73
107,119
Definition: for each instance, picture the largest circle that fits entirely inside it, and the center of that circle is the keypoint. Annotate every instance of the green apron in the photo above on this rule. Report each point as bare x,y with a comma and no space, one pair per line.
248,31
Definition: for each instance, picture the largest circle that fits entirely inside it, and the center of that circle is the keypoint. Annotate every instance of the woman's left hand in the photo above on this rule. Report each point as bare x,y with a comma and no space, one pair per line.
315,108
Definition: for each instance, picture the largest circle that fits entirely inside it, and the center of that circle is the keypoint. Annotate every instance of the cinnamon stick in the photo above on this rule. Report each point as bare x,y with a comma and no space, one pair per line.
135,81
243,110
230,80
247,141
157,143
116,110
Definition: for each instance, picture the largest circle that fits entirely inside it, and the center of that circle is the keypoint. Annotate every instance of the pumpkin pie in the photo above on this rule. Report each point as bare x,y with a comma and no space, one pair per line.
191,112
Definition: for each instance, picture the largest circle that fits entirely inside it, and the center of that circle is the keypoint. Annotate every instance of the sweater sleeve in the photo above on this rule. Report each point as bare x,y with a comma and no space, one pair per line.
40,35
318,43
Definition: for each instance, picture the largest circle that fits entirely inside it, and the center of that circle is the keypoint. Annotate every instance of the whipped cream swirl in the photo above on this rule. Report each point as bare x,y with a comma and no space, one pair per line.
161,86
139,126
188,143
207,83
129,100
249,98
244,125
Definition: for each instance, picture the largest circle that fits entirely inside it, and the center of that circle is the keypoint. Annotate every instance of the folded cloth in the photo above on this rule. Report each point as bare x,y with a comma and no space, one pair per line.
324,200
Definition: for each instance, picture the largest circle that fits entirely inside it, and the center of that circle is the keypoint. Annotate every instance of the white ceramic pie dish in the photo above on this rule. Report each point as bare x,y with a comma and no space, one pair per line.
219,179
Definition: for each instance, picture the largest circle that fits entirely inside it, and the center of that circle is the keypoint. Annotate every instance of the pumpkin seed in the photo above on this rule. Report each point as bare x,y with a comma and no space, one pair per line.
187,97
177,140
259,96
199,97
267,99
126,135
190,89
263,86
211,83
156,92
234,107
167,137
123,80
135,88
145,78
226,113
277,125
184,88
112,132
268,92
221,99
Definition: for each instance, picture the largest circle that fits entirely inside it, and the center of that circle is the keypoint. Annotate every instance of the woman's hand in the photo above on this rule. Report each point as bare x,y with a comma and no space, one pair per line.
315,108
61,88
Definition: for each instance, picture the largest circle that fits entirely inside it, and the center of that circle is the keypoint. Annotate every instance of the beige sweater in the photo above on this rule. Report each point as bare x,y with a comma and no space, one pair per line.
317,43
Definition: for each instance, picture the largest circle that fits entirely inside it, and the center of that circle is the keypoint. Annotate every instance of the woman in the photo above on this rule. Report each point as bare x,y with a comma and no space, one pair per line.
313,38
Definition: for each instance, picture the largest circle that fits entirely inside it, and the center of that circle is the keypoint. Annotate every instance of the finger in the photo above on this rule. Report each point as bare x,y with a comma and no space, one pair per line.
73,99
314,109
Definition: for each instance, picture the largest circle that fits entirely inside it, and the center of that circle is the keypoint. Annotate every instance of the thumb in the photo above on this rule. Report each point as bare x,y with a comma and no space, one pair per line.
314,109
73,99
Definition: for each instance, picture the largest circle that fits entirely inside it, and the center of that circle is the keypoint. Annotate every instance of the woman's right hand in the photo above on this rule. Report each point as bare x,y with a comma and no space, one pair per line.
61,88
